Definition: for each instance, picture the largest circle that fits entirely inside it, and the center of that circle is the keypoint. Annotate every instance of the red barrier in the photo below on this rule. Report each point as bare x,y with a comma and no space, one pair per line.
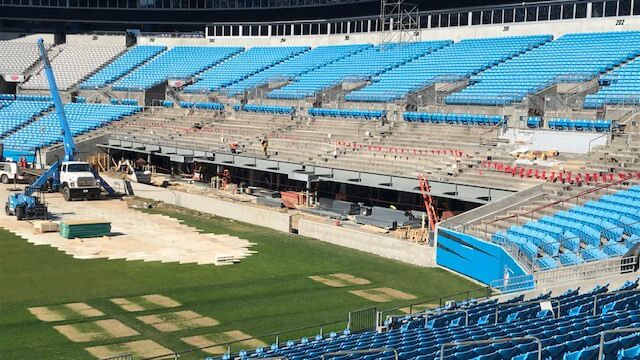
556,176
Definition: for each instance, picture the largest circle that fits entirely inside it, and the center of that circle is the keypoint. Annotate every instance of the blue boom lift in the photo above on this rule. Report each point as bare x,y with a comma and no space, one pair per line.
74,179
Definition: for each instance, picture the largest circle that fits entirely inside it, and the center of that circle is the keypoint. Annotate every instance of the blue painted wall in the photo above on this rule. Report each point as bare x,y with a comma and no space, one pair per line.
473,257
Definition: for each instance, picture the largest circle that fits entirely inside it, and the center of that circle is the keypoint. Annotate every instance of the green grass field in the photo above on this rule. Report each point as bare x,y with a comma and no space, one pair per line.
269,291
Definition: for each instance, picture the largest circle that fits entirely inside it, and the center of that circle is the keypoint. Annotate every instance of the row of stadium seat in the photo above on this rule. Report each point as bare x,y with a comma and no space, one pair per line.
464,119
596,230
571,58
620,86
34,97
17,57
348,113
15,114
124,102
196,105
360,66
124,64
295,66
180,62
267,109
451,63
581,125
471,312
73,63
241,67
82,118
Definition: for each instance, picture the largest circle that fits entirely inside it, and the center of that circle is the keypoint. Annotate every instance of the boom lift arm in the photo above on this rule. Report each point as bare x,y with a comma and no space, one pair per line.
52,175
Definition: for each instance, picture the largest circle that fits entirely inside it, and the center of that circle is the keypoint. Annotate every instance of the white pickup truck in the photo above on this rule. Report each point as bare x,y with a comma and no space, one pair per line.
10,171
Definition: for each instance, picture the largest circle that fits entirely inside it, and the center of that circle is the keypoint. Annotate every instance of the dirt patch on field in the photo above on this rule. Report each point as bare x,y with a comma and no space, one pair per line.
382,294
97,330
145,302
139,349
127,305
210,340
70,311
135,235
351,279
339,280
180,320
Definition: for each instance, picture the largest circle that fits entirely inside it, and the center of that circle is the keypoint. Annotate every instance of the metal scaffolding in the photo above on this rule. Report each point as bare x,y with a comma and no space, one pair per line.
399,21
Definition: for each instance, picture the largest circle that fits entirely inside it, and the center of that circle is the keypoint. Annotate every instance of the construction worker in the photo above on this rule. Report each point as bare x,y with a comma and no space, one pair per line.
233,146
265,146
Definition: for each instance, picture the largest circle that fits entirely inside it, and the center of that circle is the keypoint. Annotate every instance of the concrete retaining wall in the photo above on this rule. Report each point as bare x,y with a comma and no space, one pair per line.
232,210
384,246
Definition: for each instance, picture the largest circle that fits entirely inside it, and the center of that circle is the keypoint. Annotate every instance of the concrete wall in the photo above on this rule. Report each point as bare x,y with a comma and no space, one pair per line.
474,258
555,27
575,142
231,210
459,222
97,39
85,148
381,245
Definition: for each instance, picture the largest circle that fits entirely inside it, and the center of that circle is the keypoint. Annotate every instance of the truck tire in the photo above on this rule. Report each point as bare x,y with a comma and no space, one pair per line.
7,210
4,179
66,193
20,212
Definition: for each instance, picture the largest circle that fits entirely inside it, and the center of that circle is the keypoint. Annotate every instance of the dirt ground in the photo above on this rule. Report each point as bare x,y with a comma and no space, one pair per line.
382,294
97,330
139,349
180,320
145,302
339,280
135,235
210,340
64,312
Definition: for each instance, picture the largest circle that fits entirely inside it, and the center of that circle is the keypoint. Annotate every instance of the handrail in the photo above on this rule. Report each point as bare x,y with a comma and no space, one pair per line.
367,351
597,296
589,191
277,334
594,269
612,331
426,300
493,341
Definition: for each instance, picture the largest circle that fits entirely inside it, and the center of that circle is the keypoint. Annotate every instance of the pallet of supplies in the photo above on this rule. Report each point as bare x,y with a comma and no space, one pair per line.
84,229
41,227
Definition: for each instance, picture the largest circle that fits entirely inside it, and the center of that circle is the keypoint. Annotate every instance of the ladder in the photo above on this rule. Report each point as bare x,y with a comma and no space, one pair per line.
425,189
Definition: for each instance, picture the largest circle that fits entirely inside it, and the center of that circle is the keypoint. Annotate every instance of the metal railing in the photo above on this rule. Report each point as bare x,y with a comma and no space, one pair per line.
493,341
598,296
368,351
456,311
529,214
612,331
569,274
277,335
482,292
500,307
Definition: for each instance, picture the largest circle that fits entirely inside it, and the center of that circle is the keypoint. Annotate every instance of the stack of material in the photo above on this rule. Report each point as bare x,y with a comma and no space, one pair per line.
225,260
45,226
84,229
293,199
